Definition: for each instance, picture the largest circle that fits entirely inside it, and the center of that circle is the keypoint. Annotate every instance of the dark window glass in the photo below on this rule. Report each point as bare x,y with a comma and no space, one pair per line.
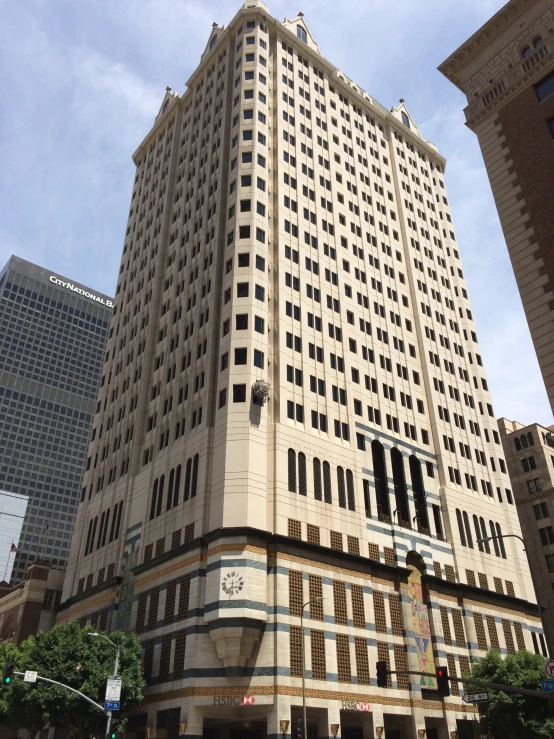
545,87
239,393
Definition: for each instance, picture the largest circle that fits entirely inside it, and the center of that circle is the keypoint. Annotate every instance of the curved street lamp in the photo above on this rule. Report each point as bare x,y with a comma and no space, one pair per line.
304,722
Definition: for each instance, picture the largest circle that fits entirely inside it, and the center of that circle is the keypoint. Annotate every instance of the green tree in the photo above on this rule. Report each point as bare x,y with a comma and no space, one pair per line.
69,655
509,715
8,653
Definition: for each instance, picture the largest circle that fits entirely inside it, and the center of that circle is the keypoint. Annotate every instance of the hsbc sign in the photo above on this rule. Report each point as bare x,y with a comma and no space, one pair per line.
355,706
234,700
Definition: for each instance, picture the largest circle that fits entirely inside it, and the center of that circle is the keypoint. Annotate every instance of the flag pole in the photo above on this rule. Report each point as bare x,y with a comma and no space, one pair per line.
8,561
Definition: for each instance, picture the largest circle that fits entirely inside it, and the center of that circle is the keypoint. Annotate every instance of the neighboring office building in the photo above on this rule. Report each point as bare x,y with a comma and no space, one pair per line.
30,606
289,234
506,69
529,454
12,514
52,340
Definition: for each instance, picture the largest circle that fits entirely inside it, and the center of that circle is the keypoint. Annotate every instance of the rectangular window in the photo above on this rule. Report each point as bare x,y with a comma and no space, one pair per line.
344,668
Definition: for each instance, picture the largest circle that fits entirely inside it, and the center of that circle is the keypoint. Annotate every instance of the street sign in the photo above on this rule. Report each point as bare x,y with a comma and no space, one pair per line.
113,689
111,705
30,676
476,697
549,668
547,686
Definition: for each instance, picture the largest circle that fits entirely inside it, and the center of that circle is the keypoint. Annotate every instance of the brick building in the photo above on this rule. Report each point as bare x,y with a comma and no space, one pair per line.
30,606
506,70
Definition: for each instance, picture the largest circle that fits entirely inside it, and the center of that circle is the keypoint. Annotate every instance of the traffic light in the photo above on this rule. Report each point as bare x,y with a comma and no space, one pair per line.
7,677
114,728
299,731
443,684
381,674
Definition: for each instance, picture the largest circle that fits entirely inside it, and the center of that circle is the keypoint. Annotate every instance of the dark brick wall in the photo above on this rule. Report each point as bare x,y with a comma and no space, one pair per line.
531,147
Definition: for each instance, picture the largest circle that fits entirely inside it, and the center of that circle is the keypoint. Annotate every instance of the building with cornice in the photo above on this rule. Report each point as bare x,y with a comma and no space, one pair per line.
529,452
506,70
294,408
52,339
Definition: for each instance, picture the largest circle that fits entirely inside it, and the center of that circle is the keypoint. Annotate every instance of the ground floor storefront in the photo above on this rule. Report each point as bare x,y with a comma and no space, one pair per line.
248,717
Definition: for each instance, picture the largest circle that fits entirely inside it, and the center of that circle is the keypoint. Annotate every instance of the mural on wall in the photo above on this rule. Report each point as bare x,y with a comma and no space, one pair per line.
421,629
127,587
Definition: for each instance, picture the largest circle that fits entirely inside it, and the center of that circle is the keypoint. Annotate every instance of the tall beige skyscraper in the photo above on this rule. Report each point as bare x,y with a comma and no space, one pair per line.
294,408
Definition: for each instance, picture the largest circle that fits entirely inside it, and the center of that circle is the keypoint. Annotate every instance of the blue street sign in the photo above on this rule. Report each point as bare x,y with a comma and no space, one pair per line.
547,686
114,705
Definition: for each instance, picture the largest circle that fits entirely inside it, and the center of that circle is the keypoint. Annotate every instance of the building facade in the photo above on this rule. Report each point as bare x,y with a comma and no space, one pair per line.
30,606
506,69
294,408
52,340
12,515
529,452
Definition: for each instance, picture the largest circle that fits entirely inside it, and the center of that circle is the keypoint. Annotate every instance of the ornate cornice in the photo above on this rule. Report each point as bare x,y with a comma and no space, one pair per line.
481,39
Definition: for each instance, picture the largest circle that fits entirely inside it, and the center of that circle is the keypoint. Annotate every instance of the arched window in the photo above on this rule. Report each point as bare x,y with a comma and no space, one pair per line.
194,480
461,528
494,539
102,517
170,490
340,485
500,541
419,492
154,501
292,470
188,471
405,119
367,499
484,535
524,442
530,439
537,42
468,530
213,41
400,491
106,524
302,483
160,495
327,493
317,478
177,486
350,490
380,476
301,33
517,444
525,51
478,533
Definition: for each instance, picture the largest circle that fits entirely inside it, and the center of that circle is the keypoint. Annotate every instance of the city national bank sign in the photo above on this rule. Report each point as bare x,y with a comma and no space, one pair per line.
85,293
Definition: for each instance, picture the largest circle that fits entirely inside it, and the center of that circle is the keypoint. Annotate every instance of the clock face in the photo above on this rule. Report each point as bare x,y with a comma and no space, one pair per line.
232,583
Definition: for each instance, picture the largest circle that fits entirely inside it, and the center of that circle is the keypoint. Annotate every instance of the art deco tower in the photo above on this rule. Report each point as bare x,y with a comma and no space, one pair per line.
293,405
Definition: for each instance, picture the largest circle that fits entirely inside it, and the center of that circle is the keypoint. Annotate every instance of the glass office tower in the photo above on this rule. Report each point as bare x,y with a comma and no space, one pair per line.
52,339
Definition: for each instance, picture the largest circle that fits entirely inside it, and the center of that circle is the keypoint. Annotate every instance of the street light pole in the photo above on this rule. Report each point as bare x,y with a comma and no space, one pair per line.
522,540
115,669
304,722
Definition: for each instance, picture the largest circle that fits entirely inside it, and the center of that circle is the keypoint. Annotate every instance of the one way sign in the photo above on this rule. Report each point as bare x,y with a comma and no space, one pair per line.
476,697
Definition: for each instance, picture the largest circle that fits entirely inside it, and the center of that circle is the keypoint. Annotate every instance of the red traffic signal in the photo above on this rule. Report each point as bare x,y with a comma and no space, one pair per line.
443,684
381,674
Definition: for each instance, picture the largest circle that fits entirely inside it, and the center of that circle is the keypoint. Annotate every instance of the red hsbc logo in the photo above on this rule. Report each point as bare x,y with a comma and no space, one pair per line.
355,706
234,700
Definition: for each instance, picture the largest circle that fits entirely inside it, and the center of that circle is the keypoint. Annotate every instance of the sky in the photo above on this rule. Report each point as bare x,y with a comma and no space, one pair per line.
84,79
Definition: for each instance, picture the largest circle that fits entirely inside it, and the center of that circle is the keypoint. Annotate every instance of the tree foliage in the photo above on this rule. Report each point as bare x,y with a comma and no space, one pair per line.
69,655
509,715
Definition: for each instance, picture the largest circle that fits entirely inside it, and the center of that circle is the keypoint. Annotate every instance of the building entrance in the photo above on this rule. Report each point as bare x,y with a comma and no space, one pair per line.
221,729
